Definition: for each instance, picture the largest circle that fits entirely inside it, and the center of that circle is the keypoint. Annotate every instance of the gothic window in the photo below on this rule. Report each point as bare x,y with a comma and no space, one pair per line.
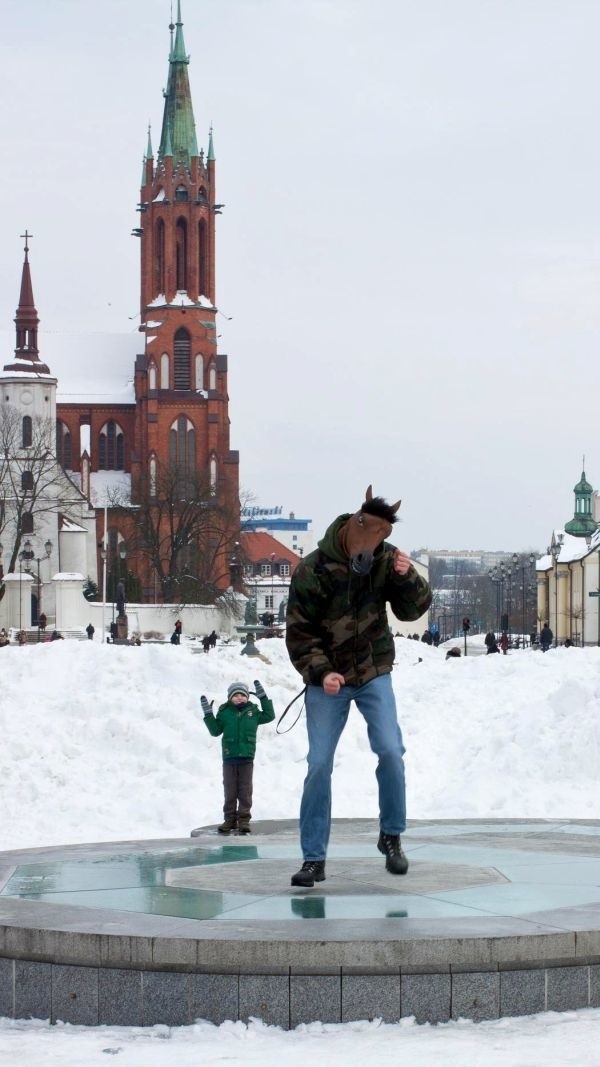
181,193
202,197
111,447
64,450
152,472
152,376
182,455
202,258
181,253
27,522
26,480
212,377
164,371
213,473
27,431
182,359
199,372
159,261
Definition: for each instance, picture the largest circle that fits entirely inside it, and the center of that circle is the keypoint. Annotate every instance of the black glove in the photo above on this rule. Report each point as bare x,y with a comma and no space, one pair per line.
258,689
206,707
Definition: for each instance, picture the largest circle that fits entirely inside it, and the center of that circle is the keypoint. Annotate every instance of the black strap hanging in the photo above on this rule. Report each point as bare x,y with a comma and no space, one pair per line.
284,713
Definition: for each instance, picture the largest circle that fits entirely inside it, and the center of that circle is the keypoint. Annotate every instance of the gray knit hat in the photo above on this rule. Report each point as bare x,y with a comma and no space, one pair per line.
238,687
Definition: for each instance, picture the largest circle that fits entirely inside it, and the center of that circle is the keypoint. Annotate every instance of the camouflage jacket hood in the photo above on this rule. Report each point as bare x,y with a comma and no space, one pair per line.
337,620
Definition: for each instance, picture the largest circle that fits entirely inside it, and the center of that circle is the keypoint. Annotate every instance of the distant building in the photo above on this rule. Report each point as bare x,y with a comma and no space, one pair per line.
568,586
289,531
267,571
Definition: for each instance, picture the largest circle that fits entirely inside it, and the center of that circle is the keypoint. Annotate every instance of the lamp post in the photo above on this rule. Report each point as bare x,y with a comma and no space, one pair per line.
494,576
555,548
1,561
26,555
38,560
103,558
272,583
118,560
523,568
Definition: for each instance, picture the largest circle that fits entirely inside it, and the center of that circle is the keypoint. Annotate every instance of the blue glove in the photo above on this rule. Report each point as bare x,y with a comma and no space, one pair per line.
258,689
206,707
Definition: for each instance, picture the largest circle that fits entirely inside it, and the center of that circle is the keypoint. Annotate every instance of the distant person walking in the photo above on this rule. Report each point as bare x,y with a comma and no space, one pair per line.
90,631
546,637
504,642
492,646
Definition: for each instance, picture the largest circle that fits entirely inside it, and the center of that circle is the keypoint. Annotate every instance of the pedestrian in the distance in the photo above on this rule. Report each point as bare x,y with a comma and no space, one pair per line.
504,642
90,631
175,636
43,622
546,637
238,720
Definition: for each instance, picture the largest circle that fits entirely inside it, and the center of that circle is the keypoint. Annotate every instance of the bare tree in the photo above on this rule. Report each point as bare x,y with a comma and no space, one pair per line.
186,536
32,482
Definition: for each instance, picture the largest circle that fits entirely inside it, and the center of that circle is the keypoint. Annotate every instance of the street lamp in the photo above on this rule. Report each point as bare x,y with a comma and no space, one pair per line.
103,558
122,556
272,580
555,553
38,559
25,556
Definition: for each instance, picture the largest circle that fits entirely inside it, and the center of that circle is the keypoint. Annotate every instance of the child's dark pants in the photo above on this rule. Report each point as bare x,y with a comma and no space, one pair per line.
237,785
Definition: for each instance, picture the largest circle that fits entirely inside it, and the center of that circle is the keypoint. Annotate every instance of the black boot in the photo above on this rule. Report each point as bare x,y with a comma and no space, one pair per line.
395,860
227,826
244,825
310,872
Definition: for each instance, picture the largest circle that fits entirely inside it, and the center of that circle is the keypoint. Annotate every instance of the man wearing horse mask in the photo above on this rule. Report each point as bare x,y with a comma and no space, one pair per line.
339,639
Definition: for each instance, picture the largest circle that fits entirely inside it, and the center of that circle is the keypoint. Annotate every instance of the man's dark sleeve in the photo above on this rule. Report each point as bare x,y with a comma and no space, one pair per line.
408,594
303,630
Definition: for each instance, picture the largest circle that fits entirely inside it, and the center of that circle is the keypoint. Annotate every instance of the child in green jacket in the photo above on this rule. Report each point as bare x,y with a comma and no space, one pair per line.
238,720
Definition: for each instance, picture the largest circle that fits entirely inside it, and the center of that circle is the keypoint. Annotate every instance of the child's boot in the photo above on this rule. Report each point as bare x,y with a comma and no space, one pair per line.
228,825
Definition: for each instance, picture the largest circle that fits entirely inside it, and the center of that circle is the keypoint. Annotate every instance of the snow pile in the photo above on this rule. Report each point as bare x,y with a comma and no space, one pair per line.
106,742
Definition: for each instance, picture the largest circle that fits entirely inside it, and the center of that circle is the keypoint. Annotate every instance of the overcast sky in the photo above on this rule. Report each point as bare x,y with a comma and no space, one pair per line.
410,249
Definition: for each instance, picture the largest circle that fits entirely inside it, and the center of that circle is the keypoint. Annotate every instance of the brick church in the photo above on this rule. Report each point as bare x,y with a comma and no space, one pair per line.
166,438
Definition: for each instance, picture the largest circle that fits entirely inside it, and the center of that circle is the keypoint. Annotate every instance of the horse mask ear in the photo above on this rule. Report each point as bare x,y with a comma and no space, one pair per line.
369,497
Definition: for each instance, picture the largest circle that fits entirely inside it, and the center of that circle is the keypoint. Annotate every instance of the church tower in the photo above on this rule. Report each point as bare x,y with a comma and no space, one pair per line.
181,419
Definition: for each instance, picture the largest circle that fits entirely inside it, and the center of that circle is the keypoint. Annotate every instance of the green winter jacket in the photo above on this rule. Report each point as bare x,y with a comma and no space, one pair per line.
238,726
337,620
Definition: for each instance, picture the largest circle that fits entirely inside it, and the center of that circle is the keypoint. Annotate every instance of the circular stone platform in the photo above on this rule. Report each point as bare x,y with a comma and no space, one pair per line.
493,918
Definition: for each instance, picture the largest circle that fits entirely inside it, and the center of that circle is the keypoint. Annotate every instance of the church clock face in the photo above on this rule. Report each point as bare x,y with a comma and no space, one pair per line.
26,396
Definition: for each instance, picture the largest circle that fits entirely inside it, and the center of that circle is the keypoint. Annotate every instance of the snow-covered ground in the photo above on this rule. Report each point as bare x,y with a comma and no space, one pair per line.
107,743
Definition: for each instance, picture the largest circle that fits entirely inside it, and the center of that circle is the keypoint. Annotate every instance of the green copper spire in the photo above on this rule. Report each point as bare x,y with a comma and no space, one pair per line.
582,524
211,150
178,128
149,152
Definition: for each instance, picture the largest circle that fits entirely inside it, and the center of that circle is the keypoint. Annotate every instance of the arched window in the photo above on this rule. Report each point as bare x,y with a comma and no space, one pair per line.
212,377
181,253
181,193
152,473
164,371
27,522
152,376
182,455
159,259
199,372
64,450
27,431
182,359
202,258
111,447
213,473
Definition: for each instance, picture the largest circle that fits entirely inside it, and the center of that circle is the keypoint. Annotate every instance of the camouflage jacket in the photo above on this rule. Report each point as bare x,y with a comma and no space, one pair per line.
337,620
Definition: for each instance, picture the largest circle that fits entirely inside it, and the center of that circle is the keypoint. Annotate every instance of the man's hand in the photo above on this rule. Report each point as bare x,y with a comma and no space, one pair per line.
332,683
402,562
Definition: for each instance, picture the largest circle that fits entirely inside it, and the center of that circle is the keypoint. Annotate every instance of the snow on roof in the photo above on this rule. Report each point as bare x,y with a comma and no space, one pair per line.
68,526
571,549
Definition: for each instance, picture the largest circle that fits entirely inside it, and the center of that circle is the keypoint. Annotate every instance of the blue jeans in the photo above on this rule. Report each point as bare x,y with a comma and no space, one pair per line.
326,717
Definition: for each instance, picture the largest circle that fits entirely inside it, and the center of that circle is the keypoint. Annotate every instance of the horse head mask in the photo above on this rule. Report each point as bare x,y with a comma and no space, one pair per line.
366,529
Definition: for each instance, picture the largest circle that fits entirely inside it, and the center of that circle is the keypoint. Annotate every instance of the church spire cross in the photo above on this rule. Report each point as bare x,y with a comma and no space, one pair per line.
27,236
